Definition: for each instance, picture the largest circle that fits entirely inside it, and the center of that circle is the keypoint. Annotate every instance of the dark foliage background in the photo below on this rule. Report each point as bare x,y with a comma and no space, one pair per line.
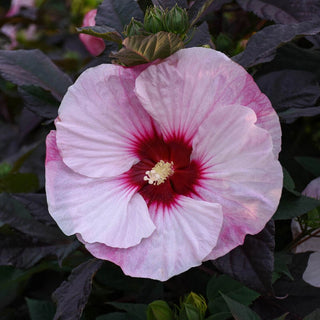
46,275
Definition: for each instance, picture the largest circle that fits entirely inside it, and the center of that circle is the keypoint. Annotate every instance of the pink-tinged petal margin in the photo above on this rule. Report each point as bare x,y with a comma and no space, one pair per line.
312,190
100,121
311,275
181,91
101,210
184,235
239,172
93,44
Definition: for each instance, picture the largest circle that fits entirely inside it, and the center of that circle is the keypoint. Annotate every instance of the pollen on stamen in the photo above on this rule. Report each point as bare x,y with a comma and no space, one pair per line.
159,173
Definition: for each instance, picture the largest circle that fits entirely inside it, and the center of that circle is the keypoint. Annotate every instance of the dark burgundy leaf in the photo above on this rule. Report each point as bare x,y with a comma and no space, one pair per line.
292,114
170,3
118,13
198,5
36,204
285,12
293,93
14,214
290,57
22,252
262,45
32,67
266,10
251,263
39,101
72,295
200,37
8,139
296,296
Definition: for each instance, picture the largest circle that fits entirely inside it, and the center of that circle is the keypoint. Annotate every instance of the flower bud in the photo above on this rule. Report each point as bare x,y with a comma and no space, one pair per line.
153,20
134,28
176,20
193,307
159,310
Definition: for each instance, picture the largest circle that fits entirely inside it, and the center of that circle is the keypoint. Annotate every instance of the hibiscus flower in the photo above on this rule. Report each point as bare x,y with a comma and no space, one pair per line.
160,167
93,44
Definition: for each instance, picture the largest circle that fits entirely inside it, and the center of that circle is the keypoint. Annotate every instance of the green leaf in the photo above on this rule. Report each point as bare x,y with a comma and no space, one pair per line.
283,317
159,310
9,288
240,311
32,67
220,316
310,164
143,49
291,206
134,309
104,32
315,315
281,262
115,316
288,182
40,309
19,182
189,312
230,287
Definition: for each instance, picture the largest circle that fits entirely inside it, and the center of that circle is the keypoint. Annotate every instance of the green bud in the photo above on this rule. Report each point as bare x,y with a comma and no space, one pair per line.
159,310
153,20
176,20
134,28
193,307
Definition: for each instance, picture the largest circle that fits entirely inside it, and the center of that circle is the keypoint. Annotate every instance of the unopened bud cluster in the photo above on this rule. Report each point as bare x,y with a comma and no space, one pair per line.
157,19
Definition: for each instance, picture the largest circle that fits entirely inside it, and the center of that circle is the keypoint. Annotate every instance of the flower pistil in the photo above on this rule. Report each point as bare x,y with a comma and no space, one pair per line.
159,173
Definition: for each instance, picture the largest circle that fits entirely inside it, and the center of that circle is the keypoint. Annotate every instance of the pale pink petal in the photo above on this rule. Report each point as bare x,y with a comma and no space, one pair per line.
312,275
181,91
184,235
101,210
239,172
16,5
312,190
100,121
93,44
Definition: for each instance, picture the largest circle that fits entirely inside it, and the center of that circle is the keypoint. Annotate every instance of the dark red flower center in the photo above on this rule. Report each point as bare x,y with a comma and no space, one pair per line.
175,153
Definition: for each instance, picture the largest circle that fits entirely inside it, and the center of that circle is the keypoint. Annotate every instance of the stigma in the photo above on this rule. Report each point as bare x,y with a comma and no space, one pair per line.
159,173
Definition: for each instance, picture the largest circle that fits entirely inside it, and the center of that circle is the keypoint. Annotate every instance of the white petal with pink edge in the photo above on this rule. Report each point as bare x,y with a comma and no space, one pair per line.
99,122
312,190
311,275
101,210
180,92
239,171
185,234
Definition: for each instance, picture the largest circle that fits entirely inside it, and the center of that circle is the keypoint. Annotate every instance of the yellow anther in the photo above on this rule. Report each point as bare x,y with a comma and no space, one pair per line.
159,173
